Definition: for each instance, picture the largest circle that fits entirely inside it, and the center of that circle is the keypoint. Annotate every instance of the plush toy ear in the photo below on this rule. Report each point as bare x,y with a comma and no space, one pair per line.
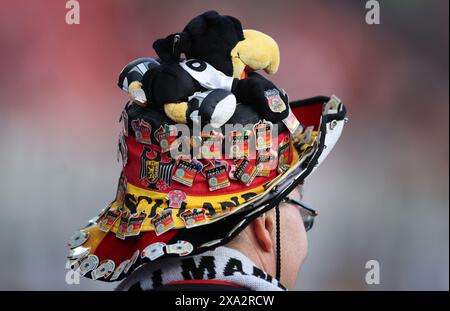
238,26
198,25
211,17
170,48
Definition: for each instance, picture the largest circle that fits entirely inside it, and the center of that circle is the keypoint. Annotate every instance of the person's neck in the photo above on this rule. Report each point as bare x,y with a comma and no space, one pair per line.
247,246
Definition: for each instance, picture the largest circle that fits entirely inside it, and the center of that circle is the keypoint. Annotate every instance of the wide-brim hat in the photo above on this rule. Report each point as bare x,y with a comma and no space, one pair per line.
167,206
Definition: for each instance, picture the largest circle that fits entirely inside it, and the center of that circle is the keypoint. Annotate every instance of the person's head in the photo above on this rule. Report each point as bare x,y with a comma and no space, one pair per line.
258,241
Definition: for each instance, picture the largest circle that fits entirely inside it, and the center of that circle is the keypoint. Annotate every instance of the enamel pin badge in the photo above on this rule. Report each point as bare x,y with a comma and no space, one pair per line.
167,137
216,175
176,198
263,134
245,171
193,218
142,131
185,172
163,221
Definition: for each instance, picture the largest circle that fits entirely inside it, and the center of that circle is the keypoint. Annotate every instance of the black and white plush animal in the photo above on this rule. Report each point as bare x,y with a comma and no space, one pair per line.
220,55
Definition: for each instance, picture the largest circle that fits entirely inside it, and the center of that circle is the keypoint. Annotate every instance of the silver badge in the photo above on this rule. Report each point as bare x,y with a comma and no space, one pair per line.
78,252
78,239
153,251
120,268
181,248
88,264
132,261
105,269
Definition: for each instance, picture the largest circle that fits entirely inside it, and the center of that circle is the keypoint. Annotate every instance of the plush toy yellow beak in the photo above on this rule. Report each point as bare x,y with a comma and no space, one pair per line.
257,51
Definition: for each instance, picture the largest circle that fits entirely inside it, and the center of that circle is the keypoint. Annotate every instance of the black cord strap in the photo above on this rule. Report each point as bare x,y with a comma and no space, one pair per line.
277,211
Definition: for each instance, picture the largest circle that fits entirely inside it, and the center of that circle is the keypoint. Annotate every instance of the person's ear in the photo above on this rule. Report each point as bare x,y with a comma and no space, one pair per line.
262,228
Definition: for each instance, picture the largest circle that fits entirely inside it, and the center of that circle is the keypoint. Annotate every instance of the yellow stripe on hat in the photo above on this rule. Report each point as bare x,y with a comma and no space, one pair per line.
221,204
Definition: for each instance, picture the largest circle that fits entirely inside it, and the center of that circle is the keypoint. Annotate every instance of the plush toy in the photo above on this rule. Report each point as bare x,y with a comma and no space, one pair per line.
218,73
130,78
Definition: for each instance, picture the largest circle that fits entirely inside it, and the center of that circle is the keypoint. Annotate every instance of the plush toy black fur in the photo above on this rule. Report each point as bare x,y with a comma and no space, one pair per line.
209,37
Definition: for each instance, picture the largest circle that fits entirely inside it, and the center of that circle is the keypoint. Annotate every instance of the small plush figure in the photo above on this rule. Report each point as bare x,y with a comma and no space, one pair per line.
130,78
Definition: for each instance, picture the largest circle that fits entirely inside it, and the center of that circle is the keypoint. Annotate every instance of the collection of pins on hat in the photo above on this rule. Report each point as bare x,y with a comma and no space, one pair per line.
217,173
